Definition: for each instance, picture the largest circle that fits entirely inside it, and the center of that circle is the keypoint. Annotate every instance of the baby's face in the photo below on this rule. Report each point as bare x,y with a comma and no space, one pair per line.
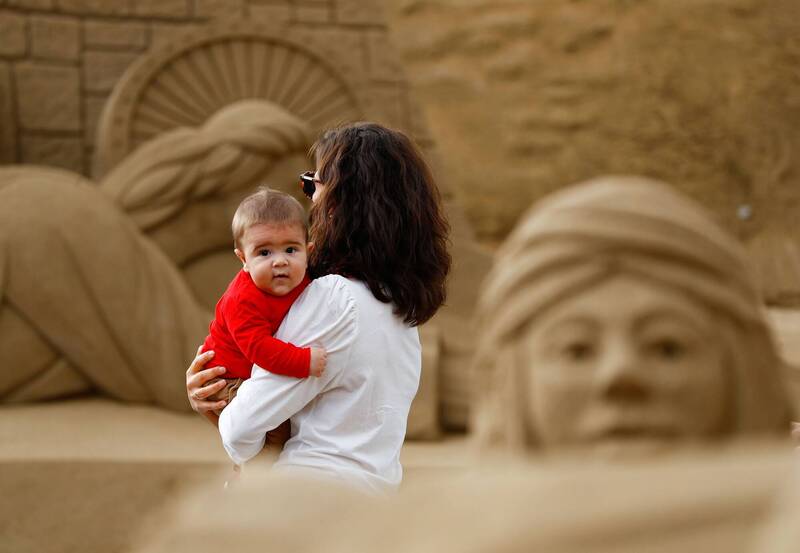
275,256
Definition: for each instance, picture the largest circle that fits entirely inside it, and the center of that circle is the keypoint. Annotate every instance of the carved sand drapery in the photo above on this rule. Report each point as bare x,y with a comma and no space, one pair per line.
89,301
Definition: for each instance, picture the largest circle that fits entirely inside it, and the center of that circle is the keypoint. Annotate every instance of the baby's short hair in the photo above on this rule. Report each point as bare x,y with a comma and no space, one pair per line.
266,205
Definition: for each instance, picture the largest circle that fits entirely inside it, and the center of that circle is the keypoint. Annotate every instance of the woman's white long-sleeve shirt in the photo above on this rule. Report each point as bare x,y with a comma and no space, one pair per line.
351,421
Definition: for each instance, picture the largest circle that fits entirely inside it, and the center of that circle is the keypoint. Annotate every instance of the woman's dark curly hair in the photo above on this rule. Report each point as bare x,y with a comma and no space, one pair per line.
380,218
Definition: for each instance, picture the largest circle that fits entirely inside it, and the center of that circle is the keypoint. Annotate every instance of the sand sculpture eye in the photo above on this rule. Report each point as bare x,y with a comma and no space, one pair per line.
578,351
668,349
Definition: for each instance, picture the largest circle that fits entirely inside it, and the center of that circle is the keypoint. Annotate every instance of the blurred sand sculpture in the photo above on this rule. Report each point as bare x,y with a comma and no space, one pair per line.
715,502
126,294
624,336
552,93
712,502
619,314
782,533
107,286
90,301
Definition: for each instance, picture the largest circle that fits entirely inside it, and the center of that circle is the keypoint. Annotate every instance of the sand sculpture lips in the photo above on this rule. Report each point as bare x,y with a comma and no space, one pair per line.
623,432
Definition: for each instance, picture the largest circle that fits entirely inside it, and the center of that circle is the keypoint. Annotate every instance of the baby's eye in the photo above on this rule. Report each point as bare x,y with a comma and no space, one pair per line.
291,249
263,253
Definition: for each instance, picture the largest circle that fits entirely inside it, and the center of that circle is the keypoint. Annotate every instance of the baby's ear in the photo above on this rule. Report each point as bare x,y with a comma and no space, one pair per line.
310,247
240,255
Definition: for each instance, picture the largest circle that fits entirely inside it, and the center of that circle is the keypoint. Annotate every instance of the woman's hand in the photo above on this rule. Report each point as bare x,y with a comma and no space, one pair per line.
196,378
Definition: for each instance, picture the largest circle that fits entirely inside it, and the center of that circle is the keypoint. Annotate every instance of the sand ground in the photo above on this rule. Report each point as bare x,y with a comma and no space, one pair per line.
93,474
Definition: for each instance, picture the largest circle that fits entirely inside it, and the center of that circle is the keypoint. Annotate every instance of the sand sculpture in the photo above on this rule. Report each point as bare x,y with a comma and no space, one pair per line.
93,303
713,502
634,265
552,93
618,314
782,533
190,128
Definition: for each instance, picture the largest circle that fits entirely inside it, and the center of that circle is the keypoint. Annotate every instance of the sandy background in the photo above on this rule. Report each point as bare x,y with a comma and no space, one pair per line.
524,97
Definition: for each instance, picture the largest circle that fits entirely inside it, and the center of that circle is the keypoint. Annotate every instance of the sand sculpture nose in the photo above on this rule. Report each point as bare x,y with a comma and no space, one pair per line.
619,376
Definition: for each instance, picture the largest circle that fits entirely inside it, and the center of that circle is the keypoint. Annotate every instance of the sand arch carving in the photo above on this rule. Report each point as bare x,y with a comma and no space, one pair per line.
186,81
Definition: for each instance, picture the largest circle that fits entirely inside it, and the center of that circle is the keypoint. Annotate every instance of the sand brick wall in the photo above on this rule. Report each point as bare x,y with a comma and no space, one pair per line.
60,60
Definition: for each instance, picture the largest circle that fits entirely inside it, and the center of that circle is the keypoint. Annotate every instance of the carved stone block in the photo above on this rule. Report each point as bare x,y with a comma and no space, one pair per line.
312,12
359,12
112,34
55,38
56,151
105,7
218,8
32,4
163,33
8,127
161,8
48,97
102,70
12,31
270,13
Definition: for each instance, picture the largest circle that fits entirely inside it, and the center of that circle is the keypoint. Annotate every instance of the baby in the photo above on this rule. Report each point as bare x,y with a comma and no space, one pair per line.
270,234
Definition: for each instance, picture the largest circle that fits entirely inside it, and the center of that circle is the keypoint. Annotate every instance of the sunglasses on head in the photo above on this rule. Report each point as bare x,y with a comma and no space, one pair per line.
308,183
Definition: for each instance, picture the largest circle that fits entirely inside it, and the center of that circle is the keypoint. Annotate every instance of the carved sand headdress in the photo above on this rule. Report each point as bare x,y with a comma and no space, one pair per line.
577,238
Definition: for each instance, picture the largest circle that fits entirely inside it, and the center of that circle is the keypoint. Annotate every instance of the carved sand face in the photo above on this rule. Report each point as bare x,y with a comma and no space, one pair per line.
625,364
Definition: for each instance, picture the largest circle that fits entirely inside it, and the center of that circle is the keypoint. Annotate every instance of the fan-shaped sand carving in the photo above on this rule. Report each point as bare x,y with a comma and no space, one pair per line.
183,83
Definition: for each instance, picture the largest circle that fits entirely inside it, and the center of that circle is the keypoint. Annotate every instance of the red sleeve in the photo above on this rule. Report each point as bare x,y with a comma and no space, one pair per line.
252,331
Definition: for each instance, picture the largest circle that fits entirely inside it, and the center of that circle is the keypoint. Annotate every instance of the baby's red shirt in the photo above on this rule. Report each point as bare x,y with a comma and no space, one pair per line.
241,333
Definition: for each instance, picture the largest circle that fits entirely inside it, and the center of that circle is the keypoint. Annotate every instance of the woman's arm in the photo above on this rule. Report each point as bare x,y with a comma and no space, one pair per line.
261,404
197,391
324,316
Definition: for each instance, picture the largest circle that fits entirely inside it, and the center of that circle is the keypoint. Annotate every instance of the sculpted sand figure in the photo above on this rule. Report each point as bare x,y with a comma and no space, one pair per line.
618,319
619,324
619,315
91,302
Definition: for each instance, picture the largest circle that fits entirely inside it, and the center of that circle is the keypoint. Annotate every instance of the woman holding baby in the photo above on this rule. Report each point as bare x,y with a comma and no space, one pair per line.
379,264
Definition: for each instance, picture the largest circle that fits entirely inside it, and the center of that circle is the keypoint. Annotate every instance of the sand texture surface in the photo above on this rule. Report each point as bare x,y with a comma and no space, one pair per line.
97,475
525,97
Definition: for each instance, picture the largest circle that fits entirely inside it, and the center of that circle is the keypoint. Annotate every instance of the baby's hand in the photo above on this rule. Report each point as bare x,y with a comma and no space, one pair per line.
319,359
